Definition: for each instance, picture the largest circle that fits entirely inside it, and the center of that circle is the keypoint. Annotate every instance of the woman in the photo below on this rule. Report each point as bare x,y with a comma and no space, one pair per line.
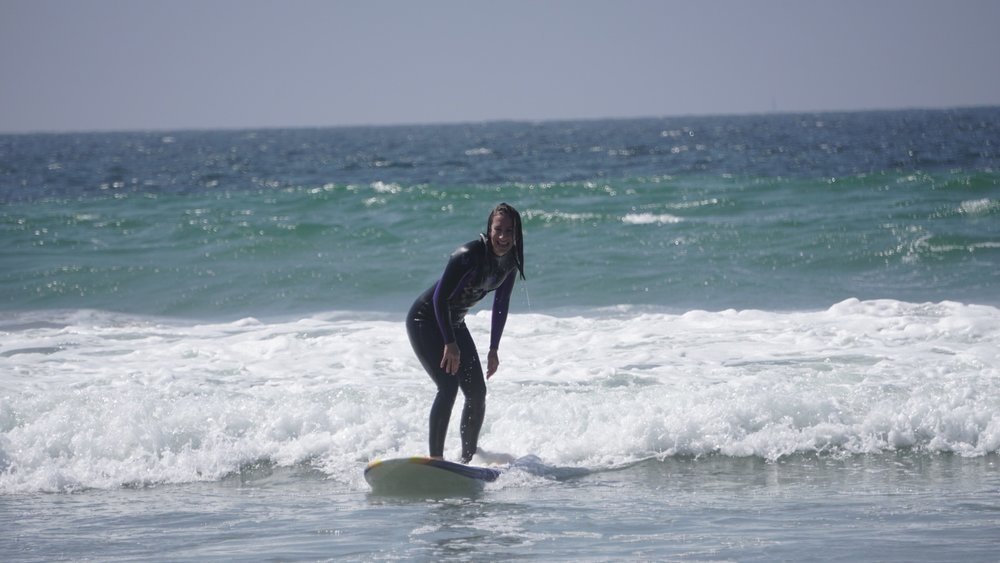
437,331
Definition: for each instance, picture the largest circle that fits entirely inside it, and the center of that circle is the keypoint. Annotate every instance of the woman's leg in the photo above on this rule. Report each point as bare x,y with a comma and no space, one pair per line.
473,385
428,345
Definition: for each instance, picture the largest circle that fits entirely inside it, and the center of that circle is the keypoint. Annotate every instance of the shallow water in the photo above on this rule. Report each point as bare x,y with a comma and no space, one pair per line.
893,507
866,431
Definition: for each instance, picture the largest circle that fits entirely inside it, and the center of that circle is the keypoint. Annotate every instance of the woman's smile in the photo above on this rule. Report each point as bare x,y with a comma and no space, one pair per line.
501,234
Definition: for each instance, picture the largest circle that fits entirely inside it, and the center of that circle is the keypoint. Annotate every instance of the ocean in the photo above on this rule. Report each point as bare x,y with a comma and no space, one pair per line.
741,338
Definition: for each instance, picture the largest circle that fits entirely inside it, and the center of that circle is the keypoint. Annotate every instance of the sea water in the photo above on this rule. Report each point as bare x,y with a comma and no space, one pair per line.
741,338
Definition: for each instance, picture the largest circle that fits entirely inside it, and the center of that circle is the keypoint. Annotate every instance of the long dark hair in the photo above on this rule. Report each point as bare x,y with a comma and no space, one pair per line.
505,209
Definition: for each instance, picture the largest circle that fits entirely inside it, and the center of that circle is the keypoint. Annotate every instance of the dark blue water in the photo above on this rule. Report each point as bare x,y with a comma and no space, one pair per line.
800,146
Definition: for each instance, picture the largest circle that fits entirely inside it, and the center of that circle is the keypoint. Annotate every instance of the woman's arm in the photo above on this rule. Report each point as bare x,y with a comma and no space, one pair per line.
501,304
460,266
456,273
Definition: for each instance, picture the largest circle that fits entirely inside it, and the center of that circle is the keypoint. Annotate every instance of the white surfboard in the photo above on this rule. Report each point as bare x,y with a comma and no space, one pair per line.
424,475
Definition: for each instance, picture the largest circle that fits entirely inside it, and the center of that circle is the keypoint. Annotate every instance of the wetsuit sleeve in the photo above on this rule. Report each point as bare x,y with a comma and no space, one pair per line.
456,275
501,303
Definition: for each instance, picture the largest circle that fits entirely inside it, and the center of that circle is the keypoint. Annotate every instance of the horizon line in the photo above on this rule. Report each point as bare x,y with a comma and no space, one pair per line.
486,121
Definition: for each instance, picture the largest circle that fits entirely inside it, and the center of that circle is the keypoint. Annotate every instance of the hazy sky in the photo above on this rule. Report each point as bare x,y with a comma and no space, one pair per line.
70,65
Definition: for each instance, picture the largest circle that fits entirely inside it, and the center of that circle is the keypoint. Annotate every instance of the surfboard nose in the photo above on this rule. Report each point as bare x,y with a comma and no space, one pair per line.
424,475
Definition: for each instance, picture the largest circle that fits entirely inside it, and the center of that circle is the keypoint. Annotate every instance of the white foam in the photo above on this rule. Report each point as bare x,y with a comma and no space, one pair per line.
650,219
559,216
96,400
978,207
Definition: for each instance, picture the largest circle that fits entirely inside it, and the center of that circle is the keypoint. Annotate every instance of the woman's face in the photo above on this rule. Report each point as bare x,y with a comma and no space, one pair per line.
501,234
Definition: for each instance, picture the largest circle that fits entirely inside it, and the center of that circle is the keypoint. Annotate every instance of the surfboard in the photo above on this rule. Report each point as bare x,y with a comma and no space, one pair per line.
423,475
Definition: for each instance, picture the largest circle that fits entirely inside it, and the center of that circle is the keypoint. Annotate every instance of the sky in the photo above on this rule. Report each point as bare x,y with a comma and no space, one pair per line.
110,65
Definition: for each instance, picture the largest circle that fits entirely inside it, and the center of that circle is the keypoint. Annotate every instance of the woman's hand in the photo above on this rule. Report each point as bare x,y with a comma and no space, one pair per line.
450,360
492,363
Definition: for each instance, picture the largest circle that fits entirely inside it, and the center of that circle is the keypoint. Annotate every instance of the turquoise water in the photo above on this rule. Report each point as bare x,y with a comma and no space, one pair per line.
781,212
746,337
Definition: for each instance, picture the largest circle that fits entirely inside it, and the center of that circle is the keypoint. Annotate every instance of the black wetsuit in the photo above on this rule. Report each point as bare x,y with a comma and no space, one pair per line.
437,317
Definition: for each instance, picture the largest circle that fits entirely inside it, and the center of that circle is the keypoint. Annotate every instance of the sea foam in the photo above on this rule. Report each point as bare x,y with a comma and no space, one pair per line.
91,399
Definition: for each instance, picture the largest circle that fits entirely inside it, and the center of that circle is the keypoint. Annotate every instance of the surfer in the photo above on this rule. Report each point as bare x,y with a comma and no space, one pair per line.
437,331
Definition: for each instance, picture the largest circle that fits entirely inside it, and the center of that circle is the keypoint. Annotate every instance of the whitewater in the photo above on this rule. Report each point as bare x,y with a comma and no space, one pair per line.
93,400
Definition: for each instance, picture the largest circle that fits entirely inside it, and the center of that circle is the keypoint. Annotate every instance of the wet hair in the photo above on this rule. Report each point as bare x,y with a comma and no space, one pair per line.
504,209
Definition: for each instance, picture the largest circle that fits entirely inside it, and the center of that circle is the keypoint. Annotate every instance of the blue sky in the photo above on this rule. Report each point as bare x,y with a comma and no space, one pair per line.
83,65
